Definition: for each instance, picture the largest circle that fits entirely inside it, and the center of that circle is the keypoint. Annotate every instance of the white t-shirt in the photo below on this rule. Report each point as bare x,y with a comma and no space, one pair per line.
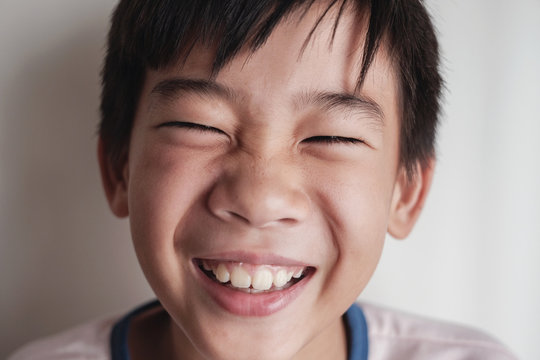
390,335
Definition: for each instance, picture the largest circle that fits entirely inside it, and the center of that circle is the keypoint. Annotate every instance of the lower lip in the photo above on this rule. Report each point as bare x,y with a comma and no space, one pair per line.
245,304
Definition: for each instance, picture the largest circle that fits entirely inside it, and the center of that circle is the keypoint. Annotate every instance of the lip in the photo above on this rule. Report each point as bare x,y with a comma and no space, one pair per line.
254,258
248,304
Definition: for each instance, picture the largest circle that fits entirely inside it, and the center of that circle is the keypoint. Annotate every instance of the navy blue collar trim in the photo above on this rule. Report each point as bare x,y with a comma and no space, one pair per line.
120,331
355,324
357,333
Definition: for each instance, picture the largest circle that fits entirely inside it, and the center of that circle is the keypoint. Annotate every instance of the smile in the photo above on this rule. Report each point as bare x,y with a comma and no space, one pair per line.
252,278
246,289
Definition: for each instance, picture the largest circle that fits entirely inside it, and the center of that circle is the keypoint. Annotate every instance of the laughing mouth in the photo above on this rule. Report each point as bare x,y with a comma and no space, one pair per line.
252,278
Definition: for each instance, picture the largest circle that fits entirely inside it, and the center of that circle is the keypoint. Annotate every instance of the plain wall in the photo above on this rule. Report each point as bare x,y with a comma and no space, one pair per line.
473,258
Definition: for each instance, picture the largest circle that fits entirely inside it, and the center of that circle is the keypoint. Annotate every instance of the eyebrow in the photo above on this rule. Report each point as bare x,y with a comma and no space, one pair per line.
341,101
171,89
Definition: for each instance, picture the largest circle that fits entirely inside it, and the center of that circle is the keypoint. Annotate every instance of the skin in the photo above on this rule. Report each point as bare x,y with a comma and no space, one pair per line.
264,183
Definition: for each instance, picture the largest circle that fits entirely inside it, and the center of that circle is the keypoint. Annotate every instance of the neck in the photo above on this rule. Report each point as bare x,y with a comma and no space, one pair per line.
331,343
154,335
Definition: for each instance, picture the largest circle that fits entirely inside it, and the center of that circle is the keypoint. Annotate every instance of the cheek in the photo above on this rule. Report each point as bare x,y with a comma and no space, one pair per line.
164,185
360,244
357,208
356,197
363,221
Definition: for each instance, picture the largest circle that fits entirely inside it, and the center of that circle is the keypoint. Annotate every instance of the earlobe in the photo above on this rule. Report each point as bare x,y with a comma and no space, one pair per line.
114,183
408,199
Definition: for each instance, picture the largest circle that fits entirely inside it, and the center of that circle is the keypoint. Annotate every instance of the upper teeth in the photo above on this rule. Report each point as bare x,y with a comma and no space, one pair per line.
262,279
222,274
258,277
240,278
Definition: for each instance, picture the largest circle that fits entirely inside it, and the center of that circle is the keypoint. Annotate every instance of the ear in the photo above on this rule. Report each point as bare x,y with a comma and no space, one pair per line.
114,183
408,199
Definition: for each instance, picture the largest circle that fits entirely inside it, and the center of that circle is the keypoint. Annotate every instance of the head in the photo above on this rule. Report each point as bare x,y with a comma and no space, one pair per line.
280,135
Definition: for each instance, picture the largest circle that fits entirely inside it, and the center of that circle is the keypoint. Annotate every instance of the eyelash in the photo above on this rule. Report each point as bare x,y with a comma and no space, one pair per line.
334,140
191,126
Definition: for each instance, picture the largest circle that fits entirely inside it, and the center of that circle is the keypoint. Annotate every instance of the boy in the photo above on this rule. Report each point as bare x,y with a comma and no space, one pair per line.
262,150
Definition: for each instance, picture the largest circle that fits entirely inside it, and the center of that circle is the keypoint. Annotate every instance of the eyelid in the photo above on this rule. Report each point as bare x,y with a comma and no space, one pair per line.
191,126
334,140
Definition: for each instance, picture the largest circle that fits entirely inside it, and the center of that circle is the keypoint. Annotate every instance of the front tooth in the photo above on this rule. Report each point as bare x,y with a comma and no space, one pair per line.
222,274
262,280
240,278
280,278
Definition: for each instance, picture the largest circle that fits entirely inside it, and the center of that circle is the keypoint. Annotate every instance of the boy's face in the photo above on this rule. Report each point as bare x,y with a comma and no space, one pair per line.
245,170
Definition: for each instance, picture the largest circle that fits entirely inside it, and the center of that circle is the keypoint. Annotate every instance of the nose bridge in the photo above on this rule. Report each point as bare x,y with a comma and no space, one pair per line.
260,191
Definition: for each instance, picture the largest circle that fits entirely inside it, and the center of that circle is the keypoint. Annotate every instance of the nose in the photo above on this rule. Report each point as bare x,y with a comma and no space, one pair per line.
260,193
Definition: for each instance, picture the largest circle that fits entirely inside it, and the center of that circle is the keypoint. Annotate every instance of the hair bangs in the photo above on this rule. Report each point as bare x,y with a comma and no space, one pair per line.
159,34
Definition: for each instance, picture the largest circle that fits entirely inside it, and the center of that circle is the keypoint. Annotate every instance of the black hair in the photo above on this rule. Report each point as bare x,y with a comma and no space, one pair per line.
158,33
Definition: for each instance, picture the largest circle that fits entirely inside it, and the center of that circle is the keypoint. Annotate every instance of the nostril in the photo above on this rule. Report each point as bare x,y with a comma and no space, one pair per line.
237,216
288,221
278,222
253,222
229,215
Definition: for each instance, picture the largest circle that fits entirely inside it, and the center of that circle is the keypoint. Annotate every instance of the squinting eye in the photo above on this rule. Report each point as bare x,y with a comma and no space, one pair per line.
191,126
333,140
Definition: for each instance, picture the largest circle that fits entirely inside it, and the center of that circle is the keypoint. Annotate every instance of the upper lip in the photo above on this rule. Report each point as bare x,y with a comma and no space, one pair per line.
253,258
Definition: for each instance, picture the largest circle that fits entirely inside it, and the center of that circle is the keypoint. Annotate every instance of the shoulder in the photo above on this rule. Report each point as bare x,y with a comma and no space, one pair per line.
397,335
86,341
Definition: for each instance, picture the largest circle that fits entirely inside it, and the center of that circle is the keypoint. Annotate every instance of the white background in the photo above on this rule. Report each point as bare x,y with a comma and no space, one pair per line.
473,258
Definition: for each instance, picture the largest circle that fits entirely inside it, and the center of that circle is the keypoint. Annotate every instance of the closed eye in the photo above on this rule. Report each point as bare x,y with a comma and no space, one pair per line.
333,140
191,126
